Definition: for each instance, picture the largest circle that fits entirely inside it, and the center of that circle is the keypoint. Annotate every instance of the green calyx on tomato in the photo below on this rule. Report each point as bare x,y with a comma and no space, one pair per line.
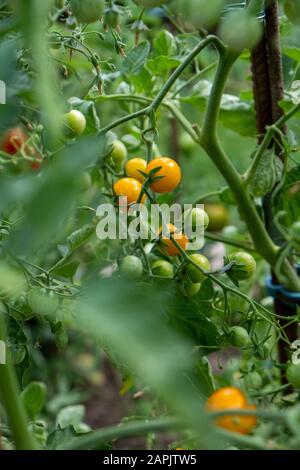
42,302
87,11
293,375
162,268
196,275
244,266
239,337
131,267
74,123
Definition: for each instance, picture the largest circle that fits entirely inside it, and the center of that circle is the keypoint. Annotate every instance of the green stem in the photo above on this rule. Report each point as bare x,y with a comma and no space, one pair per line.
212,146
176,74
97,439
10,398
229,241
194,79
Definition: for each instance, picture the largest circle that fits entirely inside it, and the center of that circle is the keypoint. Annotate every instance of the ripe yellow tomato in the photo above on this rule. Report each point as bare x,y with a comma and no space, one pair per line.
169,171
167,245
133,168
231,398
130,188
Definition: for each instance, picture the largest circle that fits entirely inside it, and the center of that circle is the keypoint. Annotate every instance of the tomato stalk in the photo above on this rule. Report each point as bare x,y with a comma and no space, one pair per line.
10,398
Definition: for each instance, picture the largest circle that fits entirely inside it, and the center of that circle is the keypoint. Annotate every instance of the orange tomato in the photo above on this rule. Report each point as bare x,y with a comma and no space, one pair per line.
231,398
133,168
13,140
130,188
169,171
167,245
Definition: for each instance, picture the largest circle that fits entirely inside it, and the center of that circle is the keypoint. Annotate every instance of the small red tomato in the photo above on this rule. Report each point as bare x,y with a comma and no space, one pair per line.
13,140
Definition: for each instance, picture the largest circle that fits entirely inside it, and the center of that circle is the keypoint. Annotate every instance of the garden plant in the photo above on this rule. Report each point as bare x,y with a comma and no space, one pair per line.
129,105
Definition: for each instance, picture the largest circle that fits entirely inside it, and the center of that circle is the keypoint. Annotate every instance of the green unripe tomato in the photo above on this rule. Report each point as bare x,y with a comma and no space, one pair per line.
218,217
244,267
118,154
191,289
111,18
187,144
131,267
239,337
87,11
292,11
74,123
240,30
150,3
42,301
198,218
253,381
84,182
293,375
15,353
162,268
194,274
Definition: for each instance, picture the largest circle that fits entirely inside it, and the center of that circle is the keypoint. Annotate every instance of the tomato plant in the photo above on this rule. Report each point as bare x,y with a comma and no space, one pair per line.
185,305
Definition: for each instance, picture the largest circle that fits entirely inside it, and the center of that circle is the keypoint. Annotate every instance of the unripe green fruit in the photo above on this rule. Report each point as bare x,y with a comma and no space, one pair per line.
197,218
118,155
162,268
253,381
293,375
194,274
42,301
239,337
244,265
74,123
87,11
240,31
191,289
131,267
187,143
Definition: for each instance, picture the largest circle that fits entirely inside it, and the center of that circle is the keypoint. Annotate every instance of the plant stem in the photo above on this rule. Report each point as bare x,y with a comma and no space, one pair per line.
10,398
176,74
229,241
97,439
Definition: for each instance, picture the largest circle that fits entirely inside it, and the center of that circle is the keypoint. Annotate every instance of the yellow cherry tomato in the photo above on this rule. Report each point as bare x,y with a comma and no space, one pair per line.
133,168
231,398
130,188
167,245
170,174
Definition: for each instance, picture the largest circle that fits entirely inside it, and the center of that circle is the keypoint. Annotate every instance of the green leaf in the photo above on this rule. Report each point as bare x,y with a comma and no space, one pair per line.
67,270
33,397
289,200
165,43
161,65
70,416
292,53
59,437
268,173
136,59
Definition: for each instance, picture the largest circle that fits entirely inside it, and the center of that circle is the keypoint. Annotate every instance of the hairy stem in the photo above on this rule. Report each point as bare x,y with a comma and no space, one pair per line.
10,398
